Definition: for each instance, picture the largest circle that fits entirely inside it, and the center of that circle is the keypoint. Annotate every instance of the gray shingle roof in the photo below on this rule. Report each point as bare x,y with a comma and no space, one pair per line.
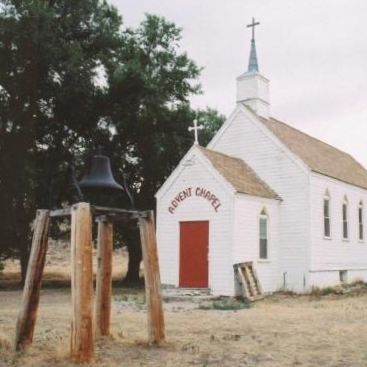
239,174
319,156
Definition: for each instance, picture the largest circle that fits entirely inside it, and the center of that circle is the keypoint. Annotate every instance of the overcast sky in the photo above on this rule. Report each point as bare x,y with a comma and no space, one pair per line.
314,52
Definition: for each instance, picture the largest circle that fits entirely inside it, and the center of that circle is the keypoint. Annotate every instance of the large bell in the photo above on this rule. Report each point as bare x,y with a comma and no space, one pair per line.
98,184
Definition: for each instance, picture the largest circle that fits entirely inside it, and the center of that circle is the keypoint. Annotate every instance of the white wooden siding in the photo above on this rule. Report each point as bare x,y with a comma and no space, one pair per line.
246,238
335,253
246,138
193,209
329,278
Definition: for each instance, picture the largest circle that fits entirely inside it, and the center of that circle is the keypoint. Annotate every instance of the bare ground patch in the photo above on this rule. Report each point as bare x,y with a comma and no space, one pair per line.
280,331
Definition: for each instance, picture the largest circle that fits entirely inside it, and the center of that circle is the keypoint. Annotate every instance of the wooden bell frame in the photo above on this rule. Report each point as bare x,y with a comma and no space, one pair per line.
84,327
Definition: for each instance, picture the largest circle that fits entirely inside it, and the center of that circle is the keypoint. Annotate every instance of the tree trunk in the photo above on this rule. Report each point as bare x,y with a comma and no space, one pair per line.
135,258
144,200
24,258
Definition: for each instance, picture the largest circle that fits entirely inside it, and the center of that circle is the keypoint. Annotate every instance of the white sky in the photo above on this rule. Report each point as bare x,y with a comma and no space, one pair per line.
313,51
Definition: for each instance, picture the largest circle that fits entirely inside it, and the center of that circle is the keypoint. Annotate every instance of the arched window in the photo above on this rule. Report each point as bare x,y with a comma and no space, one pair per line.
345,218
360,221
327,214
263,235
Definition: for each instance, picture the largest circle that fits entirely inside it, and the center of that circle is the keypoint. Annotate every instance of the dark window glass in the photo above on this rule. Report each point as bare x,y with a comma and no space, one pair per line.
345,222
326,217
263,228
263,248
360,220
327,227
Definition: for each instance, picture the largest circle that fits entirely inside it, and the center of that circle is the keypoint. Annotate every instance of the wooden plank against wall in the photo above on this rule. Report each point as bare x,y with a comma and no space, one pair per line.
31,293
81,336
152,279
104,277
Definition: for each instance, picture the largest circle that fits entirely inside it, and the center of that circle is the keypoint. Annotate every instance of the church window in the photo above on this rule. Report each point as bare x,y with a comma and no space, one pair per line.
345,218
327,215
263,231
360,221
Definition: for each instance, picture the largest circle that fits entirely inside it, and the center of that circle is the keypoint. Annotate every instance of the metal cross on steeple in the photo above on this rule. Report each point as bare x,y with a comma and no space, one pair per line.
196,128
253,25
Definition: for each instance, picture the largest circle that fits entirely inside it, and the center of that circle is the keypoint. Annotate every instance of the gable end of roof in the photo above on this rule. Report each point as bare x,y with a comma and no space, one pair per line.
240,175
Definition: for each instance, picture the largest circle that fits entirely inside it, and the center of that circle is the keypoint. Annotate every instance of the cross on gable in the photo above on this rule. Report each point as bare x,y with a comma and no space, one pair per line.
253,25
196,128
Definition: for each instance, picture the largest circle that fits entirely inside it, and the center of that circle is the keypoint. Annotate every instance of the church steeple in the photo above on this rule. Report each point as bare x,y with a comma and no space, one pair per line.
252,87
253,66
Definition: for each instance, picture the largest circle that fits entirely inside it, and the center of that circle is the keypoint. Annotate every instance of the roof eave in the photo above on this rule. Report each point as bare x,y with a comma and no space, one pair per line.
338,179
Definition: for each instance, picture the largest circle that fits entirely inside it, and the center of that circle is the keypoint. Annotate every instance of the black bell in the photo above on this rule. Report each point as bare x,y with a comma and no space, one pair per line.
98,185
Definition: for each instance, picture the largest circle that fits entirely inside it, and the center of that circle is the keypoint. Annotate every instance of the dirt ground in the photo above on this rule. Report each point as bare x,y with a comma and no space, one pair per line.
279,331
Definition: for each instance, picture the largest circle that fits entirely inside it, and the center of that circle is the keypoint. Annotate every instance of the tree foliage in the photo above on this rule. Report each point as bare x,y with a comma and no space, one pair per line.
50,53
149,89
72,82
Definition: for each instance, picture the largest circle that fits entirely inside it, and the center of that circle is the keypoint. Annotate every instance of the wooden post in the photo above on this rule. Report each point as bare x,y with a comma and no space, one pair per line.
104,277
81,338
152,279
31,293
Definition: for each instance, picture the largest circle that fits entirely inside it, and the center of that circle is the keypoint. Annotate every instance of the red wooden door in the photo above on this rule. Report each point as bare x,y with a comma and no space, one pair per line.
194,242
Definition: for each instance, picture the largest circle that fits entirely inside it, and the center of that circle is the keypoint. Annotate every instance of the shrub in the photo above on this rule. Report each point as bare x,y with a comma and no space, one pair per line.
316,291
225,305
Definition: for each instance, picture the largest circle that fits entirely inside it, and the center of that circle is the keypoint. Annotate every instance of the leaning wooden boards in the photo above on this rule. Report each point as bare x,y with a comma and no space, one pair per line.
246,276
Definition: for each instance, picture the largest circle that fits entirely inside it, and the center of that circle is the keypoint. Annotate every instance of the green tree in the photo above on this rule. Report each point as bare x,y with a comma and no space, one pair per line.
71,83
150,85
211,120
149,89
51,103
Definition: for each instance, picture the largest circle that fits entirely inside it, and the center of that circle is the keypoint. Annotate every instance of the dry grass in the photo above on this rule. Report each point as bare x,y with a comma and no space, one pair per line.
279,331
57,266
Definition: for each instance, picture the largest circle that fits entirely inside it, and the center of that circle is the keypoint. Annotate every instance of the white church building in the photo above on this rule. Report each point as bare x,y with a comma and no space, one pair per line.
267,193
